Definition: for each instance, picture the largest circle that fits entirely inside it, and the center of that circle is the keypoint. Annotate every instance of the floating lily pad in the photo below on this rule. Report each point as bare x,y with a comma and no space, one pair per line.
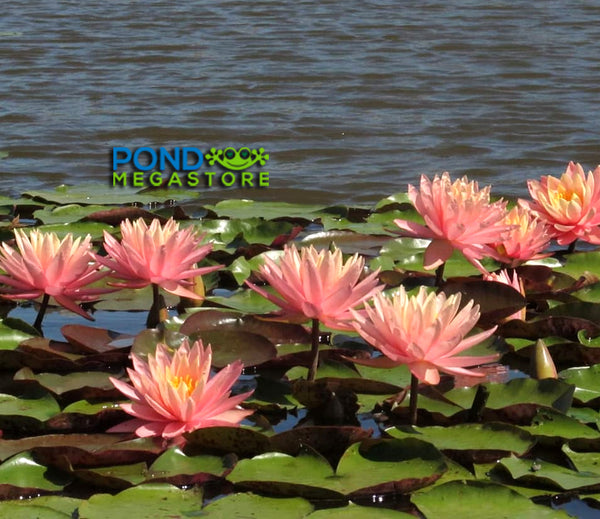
214,320
45,507
545,474
490,501
148,501
369,467
238,505
482,442
24,472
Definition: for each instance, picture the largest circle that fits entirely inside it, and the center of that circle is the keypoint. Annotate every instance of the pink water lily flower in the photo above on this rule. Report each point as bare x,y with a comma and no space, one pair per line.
458,215
158,254
570,205
317,285
43,264
173,394
526,239
424,331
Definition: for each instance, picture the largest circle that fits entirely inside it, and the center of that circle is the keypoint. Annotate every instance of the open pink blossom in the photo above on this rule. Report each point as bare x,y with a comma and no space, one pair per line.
425,331
172,395
457,216
44,264
526,238
317,285
160,255
570,205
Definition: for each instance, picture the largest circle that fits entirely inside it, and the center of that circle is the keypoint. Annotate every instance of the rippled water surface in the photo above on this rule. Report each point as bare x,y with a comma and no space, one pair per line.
352,100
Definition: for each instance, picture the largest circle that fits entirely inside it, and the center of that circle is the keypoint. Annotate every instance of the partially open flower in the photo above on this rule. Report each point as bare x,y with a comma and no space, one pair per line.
45,264
458,216
425,331
172,395
570,205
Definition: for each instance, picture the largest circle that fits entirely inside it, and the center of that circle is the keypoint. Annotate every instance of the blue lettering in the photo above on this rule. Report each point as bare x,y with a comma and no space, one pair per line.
136,156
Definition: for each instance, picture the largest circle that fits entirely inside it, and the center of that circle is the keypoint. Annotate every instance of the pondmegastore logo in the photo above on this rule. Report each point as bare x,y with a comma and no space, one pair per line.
180,167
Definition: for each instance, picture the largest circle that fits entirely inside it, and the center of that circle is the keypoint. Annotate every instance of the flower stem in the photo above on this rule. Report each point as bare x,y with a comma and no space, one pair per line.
414,395
41,312
571,248
153,315
314,351
439,275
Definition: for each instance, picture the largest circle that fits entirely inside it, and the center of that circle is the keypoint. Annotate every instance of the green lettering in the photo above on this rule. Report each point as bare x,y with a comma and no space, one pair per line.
263,179
154,180
247,177
174,179
120,178
192,179
138,179
209,175
224,182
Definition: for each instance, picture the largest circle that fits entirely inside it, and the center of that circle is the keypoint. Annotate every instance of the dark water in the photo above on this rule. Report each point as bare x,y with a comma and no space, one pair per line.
352,100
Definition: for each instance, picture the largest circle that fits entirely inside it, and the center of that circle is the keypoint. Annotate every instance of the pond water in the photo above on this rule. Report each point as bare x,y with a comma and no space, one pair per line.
352,101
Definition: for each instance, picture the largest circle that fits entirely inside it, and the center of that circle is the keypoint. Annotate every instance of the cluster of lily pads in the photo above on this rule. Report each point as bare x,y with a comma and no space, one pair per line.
340,444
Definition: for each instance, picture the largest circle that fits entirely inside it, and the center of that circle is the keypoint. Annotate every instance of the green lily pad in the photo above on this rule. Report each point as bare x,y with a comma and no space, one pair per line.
40,408
94,194
519,392
267,210
501,439
582,263
23,471
174,462
545,474
147,501
586,381
365,468
588,462
485,500
246,301
11,334
44,507
238,505
353,511
90,384
549,423
77,229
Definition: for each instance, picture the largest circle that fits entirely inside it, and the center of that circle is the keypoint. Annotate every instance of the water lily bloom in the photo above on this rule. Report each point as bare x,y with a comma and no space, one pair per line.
425,331
458,215
526,238
570,205
317,285
173,394
43,264
161,255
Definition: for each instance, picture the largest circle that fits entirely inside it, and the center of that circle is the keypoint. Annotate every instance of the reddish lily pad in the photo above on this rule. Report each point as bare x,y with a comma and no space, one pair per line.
91,339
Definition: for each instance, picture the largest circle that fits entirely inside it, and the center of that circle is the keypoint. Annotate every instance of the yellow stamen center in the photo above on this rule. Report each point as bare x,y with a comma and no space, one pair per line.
188,382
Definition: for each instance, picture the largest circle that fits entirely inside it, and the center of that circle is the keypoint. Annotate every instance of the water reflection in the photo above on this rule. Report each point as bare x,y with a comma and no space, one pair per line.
351,103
